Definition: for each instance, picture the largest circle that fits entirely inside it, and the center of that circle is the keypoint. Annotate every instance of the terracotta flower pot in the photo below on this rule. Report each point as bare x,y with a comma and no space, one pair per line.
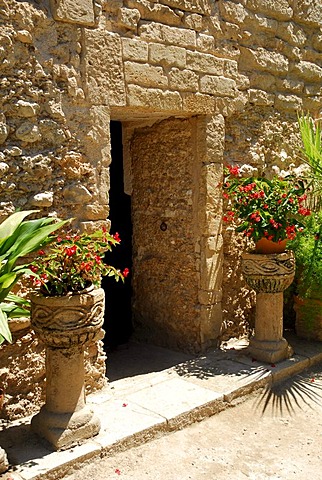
267,246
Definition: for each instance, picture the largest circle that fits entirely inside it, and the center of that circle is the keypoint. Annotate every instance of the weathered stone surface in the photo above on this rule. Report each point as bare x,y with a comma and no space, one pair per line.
262,59
183,80
79,11
28,132
280,10
145,75
167,55
135,50
44,199
156,32
103,68
221,86
129,18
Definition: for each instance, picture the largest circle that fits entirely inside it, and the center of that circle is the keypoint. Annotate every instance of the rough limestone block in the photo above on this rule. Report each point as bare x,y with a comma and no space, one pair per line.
198,103
135,50
308,71
167,55
155,12
199,6
157,32
128,18
153,99
205,63
219,86
183,80
289,103
210,323
73,11
232,12
262,59
145,75
280,9
104,68
309,12
260,97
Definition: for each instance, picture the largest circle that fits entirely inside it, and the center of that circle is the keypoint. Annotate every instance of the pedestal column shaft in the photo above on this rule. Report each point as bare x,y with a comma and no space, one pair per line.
269,316
65,380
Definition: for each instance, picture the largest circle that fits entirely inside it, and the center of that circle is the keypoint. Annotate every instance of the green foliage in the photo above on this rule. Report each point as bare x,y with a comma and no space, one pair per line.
312,155
18,238
307,248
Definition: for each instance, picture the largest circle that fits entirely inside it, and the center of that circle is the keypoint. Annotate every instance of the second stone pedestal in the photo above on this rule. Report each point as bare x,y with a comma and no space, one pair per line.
269,275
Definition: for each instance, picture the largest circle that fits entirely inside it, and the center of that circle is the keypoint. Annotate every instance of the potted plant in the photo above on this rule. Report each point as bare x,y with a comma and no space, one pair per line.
67,313
268,211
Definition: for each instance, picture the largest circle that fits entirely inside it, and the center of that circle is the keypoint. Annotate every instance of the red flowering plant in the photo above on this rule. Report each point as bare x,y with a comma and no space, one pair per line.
74,262
262,207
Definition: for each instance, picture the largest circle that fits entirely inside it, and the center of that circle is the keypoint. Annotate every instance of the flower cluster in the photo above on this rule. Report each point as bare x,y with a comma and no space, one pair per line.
73,262
272,208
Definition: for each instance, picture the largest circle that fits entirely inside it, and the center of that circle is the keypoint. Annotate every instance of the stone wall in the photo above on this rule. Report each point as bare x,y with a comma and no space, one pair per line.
225,78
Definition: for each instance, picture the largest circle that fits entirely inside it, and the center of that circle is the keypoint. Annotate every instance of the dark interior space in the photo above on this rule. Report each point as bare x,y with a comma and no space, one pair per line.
118,317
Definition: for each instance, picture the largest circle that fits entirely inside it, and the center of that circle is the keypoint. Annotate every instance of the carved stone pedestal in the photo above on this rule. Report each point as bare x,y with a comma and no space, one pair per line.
269,275
65,325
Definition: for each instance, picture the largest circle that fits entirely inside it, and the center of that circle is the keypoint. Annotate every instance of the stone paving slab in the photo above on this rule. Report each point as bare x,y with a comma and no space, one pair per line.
158,392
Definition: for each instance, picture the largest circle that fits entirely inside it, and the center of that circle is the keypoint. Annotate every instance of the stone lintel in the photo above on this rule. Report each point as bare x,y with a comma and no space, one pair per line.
73,11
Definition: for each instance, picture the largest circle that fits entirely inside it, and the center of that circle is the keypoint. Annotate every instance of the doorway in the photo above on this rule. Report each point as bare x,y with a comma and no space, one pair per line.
118,311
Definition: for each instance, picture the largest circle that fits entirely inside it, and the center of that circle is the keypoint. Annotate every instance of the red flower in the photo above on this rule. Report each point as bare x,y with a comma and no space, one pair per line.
70,251
233,170
41,252
116,237
125,272
304,211
33,268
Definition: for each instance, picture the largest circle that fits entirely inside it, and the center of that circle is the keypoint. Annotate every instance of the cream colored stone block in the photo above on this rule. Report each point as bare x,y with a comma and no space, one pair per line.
198,103
280,9
263,59
200,6
205,42
287,102
155,11
167,55
232,12
103,68
193,21
263,81
317,42
153,99
183,80
205,63
128,18
73,11
145,75
135,50
260,97
157,32
308,12
219,86
292,33
307,71
286,84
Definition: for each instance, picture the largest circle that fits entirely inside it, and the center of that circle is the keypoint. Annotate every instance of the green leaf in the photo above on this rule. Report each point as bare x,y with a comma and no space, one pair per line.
10,224
7,280
32,242
5,333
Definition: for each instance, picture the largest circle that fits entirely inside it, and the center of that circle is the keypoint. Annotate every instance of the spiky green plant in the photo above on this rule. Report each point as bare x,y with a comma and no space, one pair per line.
18,238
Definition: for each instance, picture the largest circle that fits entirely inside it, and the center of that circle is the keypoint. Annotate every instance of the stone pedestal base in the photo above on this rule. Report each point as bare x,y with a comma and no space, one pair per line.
4,464
63,430
269,351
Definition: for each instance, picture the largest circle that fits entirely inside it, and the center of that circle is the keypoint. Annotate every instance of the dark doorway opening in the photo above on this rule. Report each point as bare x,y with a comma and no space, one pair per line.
118,312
